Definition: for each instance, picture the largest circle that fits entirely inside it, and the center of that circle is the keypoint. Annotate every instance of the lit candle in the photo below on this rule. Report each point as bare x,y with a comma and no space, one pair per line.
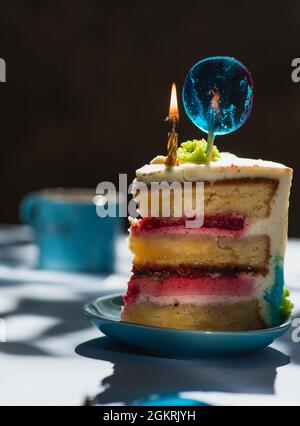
173,117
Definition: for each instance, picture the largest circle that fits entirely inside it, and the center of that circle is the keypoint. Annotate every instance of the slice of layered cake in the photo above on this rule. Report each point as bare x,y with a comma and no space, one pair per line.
224,275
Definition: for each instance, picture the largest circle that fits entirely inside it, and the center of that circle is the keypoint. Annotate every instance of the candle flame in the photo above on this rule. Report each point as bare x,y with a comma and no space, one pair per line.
173,111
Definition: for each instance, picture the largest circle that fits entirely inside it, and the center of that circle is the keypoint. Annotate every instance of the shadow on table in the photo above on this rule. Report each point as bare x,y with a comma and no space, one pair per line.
67,316
138,377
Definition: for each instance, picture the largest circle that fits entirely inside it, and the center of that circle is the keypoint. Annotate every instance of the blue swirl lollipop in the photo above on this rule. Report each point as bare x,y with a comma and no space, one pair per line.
218,96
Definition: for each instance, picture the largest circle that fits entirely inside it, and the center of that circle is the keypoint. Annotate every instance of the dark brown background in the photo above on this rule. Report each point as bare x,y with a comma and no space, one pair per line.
88,86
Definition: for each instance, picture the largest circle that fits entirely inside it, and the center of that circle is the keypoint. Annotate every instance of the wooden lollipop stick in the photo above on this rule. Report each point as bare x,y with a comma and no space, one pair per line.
210,146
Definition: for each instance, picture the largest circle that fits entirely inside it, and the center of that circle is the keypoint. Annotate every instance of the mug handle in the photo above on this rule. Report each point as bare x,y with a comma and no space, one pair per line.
26,208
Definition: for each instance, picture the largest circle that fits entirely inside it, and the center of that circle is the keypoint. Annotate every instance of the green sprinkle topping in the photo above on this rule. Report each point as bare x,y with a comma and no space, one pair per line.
286,305
195,152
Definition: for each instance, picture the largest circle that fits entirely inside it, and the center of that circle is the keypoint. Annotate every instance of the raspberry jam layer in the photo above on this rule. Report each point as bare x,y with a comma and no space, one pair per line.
229,224
240,285
186,270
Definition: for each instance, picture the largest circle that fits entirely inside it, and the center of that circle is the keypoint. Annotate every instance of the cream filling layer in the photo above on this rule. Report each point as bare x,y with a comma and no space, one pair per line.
192,300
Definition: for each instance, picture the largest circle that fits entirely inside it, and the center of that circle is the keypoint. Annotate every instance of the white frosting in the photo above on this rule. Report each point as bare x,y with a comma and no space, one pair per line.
228,166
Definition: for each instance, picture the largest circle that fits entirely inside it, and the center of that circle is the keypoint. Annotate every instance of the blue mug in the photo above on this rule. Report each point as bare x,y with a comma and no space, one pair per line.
69,233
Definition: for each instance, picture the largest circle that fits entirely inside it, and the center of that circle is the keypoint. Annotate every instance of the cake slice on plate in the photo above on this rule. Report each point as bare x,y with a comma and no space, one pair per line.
225,275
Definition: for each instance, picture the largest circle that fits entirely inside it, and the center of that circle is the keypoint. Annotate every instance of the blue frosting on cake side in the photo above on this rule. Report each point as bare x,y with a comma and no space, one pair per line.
274,295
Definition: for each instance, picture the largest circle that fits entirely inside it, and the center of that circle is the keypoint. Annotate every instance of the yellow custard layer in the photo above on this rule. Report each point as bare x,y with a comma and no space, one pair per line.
201,251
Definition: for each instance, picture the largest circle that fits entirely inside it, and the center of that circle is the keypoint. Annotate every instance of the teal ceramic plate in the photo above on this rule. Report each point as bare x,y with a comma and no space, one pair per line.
104,314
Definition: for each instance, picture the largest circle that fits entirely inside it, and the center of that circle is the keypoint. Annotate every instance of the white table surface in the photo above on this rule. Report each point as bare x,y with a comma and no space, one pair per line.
54,357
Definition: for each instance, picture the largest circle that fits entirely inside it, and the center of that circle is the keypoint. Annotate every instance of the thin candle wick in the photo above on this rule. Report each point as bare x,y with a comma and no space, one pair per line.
173,125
